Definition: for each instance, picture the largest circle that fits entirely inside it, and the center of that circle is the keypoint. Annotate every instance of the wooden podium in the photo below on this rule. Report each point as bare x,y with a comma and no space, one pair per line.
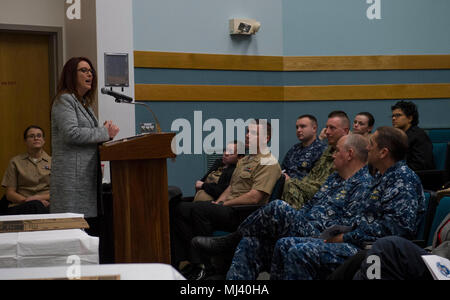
140,195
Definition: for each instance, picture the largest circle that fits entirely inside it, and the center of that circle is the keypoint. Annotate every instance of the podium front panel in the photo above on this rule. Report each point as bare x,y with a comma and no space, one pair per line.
141,211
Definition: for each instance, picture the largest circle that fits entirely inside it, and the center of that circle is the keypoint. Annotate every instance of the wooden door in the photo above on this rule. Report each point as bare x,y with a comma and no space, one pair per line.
24,91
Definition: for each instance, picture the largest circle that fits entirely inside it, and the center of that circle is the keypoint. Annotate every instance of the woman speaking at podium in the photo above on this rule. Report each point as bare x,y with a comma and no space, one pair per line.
74,180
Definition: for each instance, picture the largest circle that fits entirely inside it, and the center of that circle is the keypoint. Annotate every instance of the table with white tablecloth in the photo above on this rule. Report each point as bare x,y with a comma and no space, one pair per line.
117,271
46,248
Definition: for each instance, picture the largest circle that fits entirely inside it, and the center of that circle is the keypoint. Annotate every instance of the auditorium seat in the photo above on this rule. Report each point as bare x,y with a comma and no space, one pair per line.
434,179
441,155
427,219
440,135
442,210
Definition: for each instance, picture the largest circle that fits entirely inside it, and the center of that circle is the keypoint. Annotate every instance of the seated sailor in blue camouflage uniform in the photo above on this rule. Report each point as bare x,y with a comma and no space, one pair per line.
337,202
395,207
300,159
298,192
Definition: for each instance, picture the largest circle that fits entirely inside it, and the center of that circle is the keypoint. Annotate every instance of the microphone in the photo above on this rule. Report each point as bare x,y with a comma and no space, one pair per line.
118,96
125,99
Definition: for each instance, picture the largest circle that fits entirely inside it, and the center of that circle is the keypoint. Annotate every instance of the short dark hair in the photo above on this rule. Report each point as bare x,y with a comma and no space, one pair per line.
393,139
310,117
342,115
409,109
369,116
25,133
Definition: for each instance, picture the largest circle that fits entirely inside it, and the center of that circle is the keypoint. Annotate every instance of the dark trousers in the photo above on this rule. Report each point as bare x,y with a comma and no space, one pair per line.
348,269
34,207
191,219
400,259
98,227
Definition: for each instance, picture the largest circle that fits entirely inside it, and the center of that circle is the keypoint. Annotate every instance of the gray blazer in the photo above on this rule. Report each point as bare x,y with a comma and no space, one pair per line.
75,138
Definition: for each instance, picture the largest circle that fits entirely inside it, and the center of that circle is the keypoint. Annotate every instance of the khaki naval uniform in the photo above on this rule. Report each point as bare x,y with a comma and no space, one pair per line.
255,172
28,176
190,219
212,177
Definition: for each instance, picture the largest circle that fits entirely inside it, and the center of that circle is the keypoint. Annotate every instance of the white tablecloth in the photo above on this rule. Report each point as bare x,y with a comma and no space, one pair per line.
43,216
47,248
125,271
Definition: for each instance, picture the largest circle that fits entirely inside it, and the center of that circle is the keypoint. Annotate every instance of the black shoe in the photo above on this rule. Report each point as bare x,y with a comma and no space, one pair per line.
216,245
194,272
198,273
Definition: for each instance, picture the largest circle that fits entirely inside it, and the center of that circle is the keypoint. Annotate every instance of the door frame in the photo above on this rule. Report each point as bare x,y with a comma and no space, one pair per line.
56,51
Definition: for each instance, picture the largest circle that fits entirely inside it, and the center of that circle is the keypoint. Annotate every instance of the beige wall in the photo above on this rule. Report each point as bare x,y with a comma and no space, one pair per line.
32,12
80,35
105,26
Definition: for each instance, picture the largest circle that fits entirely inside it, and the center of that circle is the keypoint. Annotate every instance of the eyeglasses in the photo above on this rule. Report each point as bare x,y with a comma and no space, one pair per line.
86,70
34,136
397,115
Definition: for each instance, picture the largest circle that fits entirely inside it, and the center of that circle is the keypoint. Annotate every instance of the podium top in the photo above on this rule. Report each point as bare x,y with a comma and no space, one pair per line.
145,146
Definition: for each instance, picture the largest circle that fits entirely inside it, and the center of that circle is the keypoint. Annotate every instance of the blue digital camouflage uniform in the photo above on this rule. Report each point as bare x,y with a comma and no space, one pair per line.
395,207
299,160
337,202
298,258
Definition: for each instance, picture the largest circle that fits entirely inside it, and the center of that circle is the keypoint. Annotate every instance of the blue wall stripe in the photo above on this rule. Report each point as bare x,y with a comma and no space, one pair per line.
264,78
188,168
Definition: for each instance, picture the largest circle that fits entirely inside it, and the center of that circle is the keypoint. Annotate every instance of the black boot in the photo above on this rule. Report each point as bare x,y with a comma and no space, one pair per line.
194,272
217,245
